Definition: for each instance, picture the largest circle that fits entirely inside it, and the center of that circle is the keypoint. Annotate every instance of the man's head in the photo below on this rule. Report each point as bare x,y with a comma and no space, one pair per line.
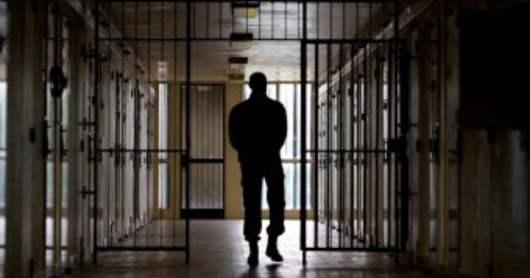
258,83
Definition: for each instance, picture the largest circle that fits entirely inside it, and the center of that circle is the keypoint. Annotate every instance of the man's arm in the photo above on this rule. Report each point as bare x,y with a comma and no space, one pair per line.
233,129
282,126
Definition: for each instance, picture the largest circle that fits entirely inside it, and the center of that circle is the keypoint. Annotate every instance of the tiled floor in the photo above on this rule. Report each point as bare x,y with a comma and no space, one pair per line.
219,250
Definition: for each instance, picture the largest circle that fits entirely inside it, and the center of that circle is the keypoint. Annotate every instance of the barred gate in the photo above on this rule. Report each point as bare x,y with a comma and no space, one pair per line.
358,196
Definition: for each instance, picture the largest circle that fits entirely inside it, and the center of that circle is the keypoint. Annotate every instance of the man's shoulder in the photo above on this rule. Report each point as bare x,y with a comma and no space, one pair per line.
239,106
277,104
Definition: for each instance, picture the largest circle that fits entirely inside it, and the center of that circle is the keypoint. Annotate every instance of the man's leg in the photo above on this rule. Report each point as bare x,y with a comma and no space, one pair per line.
274,177
252,183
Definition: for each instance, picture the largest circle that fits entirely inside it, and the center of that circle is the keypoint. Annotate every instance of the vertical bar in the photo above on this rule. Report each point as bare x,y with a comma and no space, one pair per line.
318,19
353,154
259,22
390,164
365,142
208,20
340,147
166,155
135,88
96,132
220,18
303,130
396,84
328,153
148,87
316,144
118,125
343,19
107,191
330,20
57,148
286,20
173,199
188,137
223,145
376,144
272,20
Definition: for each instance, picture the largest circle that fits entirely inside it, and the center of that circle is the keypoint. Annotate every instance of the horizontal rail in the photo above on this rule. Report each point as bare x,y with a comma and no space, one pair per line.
206,160
352,151
224,1
358,249
142,150
140,248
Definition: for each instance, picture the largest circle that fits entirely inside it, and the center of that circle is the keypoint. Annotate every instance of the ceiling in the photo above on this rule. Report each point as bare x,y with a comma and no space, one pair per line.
275,49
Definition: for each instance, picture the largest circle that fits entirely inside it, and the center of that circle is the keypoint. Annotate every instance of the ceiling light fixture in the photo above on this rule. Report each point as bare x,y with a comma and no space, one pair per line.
236,78
241,40
245,9
237,62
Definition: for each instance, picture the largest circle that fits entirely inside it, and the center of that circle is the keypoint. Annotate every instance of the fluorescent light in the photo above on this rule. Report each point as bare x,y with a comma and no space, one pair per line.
236,63
241,40
236,77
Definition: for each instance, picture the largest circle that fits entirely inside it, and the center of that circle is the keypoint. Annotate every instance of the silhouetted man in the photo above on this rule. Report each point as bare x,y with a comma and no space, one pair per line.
257,129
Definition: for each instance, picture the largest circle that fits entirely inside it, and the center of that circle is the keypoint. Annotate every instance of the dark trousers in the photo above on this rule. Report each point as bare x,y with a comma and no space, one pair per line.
253,174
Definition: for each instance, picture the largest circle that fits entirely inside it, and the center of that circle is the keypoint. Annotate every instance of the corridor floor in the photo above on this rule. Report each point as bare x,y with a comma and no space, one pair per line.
219,250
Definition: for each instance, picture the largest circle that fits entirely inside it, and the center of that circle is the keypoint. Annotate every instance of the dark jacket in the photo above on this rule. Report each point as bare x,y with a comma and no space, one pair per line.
257,129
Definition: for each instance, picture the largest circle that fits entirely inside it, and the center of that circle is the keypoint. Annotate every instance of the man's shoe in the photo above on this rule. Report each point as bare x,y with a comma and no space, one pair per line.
253,258
272,250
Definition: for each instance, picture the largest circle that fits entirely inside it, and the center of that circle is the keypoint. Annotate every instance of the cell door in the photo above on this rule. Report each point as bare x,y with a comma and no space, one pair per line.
207,153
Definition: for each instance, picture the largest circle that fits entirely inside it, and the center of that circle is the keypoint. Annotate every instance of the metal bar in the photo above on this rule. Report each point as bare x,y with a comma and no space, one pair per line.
328,135
272,20
140,248
96,131
147,220
220,19
340,158
142,150
356,249
375,142
224,1
316,143
188,137
318,19
303,66
207,160
352,118
174,197
389,155
331,20
183,39
107,191
365,142
160,210
259,21
343,20
358,94
223,145
396,84
207,20
286,20
136,88
57,138
358,150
